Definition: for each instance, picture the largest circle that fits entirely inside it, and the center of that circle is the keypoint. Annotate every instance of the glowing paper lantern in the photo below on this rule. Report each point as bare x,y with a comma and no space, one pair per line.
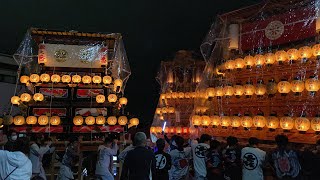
100,98
96,79
158,111
90,120
225,121
302,124
187,95
293,54
100,120
249,89
215,120
316,50
238,90
15,100
164,110
181,95
18,120
239,63
78,120
117,85
112,120
284,87
66,79
153,129
260,89
315,123
24,79
107,79
43,120
34,78
281,56
185,130
205,121
246,121
305,52
196,120
210,92
272,122
86,79
229,65
25,97
122,120
76,79
219,91
168,95
312,84
112,98
249,61
123,101
171,110
270,58
55,120
134,121
228,90
162,96
172,130
259,121
286,123
55,78
178,130
235,121
31,120
259,60
44,78
297,86
38,97
174,95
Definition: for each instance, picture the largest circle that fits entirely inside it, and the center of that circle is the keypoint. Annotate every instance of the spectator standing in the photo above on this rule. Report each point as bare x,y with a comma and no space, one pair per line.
139,162
232,159
214,162
253,160
3,139
200,152
163,161
12,141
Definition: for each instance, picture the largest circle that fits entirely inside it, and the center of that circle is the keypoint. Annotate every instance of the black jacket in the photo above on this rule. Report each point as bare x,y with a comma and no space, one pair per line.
138,163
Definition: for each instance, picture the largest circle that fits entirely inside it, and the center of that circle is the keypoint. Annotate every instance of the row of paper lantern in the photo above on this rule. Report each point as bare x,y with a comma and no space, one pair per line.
172,130
77,120
304,52
283,87
259,121
165,110
178,95
112,98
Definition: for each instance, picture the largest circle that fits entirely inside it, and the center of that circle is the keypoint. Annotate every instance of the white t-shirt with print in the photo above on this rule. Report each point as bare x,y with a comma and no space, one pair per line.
252,160
180,163
199,158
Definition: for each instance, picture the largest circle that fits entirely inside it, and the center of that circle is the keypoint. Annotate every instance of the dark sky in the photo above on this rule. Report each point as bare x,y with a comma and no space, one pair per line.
153,30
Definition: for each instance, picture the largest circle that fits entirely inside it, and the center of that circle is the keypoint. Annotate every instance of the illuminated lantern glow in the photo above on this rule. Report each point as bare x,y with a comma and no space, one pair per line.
168,95
210,92
246,121
171,110
100,98
174,95
238,90
66,78
76,79
193,94
293,54
117,85
196,120
55,120
281,56
239,63
122,120
134,121
312,84
249,61
15,100
55,78
159,129
302,124
167,130
259,60
178,130
90,120
286,123
78,120
161,117
43,120
271,87
305,52
123,101
229,65
112,98
35,78
172,130
259,121
25,97
249,89
235,121
31,120
86,79
44,78
96,79
187,95
100,120
112,120
18,120
38,97
203,94
260,89
181,95
24,79
272,122
164,110
162,96
316,50
219,91
107,79
284,87
185,130
270,58
297,86
225,121
228,90
42,58
205,121
158,111
153,129
315,123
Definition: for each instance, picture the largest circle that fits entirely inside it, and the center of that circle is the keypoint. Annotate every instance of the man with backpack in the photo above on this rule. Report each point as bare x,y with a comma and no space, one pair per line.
285,161
163,161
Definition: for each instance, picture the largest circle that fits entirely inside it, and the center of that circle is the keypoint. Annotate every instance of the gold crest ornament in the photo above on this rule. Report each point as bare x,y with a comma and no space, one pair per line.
60,55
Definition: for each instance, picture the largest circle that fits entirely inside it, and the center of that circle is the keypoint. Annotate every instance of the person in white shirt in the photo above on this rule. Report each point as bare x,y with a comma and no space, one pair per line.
104,164
199,156
253,160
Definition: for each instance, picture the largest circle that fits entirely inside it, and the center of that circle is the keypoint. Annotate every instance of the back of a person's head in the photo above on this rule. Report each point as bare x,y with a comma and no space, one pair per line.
282,141
10,132
253,141
205,138
161,144
140,139
22,145
214,144
179,141
232,141
108,140
73,139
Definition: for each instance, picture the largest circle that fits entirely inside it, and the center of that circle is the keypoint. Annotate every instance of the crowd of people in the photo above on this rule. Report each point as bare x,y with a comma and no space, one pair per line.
172,158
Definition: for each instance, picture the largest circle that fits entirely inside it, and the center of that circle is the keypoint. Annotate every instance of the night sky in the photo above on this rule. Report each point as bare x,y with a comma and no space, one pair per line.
153,30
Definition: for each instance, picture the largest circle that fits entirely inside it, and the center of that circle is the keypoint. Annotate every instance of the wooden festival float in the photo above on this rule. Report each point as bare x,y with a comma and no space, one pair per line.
72,83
